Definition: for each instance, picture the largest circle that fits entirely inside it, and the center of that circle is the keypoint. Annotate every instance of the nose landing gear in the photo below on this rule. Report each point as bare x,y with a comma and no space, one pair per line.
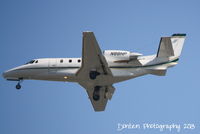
18,86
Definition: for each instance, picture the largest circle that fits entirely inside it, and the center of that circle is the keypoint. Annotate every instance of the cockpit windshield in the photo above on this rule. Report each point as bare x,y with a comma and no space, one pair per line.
30,62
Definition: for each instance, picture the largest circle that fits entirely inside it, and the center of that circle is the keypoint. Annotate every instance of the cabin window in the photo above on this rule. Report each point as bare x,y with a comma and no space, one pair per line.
79,60
70,61
36,61
61,61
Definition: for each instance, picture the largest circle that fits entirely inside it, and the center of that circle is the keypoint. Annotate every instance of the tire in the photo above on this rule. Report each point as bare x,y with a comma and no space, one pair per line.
18,86
96,93
96,97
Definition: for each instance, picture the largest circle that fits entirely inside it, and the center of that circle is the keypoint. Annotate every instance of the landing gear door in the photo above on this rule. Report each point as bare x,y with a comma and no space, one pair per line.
52,65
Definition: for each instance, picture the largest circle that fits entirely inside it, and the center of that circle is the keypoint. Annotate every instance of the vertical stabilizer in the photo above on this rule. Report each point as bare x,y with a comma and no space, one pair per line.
171,46
165,48
177,43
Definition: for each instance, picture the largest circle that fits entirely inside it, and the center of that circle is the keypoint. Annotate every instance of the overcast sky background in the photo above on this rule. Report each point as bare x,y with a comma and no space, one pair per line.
39,28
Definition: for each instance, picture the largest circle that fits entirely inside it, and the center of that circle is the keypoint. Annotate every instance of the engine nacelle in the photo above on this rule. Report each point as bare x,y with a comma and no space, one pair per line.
121,55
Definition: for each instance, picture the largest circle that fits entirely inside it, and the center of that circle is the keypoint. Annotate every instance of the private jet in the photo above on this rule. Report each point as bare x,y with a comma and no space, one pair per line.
97,71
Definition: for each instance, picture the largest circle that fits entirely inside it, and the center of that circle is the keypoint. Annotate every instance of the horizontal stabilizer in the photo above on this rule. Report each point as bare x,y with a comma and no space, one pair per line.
159,72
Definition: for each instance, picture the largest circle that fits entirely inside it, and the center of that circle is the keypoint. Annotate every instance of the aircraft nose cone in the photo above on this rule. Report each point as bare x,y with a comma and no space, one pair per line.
9,74
5,74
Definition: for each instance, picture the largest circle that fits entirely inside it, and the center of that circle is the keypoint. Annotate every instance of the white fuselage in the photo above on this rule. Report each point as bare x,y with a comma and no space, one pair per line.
96,71
65,69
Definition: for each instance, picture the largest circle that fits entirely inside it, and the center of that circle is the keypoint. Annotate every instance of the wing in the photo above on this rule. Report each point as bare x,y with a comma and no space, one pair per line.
95,75
92,58
105,93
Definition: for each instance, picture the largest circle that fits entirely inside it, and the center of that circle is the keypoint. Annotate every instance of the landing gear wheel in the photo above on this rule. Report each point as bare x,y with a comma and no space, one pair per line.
96,93
18,86
96,97
94,74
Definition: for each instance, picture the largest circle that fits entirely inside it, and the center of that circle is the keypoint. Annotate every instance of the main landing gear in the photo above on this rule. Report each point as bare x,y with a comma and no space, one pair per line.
96,93
94,74
18,86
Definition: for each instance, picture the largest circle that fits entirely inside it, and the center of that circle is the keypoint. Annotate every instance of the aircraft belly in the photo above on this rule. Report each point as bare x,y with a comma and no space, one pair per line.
36,74
48,74
126,74
58,75
68,72
30,73
118,76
